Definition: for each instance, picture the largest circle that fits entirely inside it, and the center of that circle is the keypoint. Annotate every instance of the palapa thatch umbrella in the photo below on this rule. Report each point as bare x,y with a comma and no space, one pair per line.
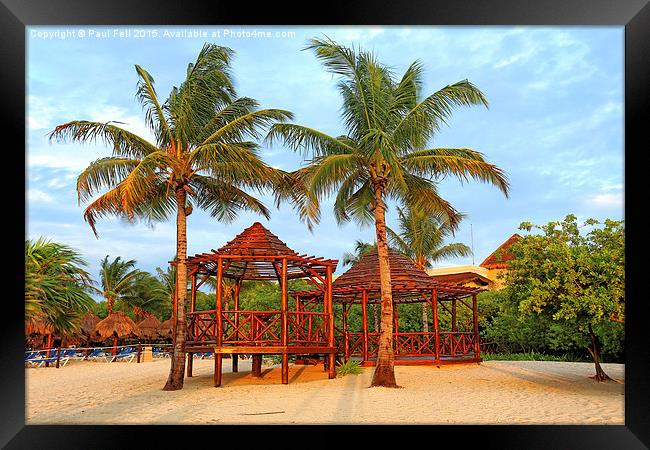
88,323
117,325
149,327
39,325
166,328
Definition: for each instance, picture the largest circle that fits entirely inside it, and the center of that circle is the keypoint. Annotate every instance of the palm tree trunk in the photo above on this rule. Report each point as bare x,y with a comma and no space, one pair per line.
595,354
177,370
384,371
425,319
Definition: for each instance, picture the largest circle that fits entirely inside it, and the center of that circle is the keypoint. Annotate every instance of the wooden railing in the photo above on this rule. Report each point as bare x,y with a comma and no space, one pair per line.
414,343
263,328
308,328
458,343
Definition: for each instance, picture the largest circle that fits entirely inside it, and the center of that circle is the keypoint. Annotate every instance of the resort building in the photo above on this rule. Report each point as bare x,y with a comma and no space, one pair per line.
485,275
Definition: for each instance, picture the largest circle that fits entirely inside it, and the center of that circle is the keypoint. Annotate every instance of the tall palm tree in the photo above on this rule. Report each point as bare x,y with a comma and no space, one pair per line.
117,279
384,155
202,156
57,286
421,239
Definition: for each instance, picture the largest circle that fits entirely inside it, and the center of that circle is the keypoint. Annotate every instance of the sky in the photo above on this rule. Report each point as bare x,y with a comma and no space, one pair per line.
554,124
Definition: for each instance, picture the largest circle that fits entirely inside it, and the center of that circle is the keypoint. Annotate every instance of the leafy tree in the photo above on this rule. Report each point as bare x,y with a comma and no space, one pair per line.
202,156
421,238
571,277
57,286
384,155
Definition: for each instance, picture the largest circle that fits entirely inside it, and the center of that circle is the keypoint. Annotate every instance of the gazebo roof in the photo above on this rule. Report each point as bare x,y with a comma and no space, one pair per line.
256,254
498,259
408,281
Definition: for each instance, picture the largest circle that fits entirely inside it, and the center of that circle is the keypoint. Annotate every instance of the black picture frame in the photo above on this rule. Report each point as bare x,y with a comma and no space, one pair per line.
634,15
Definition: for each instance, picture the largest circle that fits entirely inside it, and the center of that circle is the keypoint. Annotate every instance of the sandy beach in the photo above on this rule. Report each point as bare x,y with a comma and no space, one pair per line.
493,392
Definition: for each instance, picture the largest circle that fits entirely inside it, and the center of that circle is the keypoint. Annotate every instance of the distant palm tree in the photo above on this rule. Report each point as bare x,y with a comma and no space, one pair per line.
117,280
384,155
350,259
360,249
421,239
146,297
57,287
202,156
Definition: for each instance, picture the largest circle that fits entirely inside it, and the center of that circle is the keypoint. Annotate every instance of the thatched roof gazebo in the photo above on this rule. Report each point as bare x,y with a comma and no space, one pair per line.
149,327
166,328
117,325
256,254
410,284
38,325
88,323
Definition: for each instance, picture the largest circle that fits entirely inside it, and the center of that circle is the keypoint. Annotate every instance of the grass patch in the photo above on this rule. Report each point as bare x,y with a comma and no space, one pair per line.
349,367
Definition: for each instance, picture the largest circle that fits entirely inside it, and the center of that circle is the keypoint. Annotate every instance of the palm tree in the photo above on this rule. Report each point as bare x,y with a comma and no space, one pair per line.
421,239
117,280
360,249
384,155
202,156
350,259
56,287
146,296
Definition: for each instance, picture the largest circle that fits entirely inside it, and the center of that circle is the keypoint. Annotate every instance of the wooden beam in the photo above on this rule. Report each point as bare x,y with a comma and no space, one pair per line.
218,357
285,322
434,306
476,337
364,319
332,356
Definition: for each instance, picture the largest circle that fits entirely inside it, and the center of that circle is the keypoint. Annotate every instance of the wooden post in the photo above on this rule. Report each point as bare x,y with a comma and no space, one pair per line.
190,364
48,345
330,311
434,306
218,357
256,365
477,344
58,355
346,337
115,345
364,320
285,323
453,315
395,329
193,293
235,357
139,350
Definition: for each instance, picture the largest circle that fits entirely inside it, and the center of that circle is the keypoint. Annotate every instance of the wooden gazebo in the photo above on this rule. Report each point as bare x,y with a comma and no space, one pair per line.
258,255
410,284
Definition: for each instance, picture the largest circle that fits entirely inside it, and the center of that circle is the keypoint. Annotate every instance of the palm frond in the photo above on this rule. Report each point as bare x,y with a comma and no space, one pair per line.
124,143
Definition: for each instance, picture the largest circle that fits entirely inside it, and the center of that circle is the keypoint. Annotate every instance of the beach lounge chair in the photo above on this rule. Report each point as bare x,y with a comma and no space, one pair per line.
96,354
41,360
126,354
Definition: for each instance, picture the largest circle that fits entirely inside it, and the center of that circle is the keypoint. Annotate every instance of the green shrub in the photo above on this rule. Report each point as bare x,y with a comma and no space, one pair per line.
529,356
349,367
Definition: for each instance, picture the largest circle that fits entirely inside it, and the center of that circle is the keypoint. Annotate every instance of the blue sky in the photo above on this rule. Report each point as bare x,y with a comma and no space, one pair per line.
554,125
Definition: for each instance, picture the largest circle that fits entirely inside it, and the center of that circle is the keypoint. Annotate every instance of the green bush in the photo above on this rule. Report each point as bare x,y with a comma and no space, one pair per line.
349,367
529,356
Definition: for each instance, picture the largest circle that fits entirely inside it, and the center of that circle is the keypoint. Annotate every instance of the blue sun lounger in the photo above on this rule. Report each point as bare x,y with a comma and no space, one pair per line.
126,353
